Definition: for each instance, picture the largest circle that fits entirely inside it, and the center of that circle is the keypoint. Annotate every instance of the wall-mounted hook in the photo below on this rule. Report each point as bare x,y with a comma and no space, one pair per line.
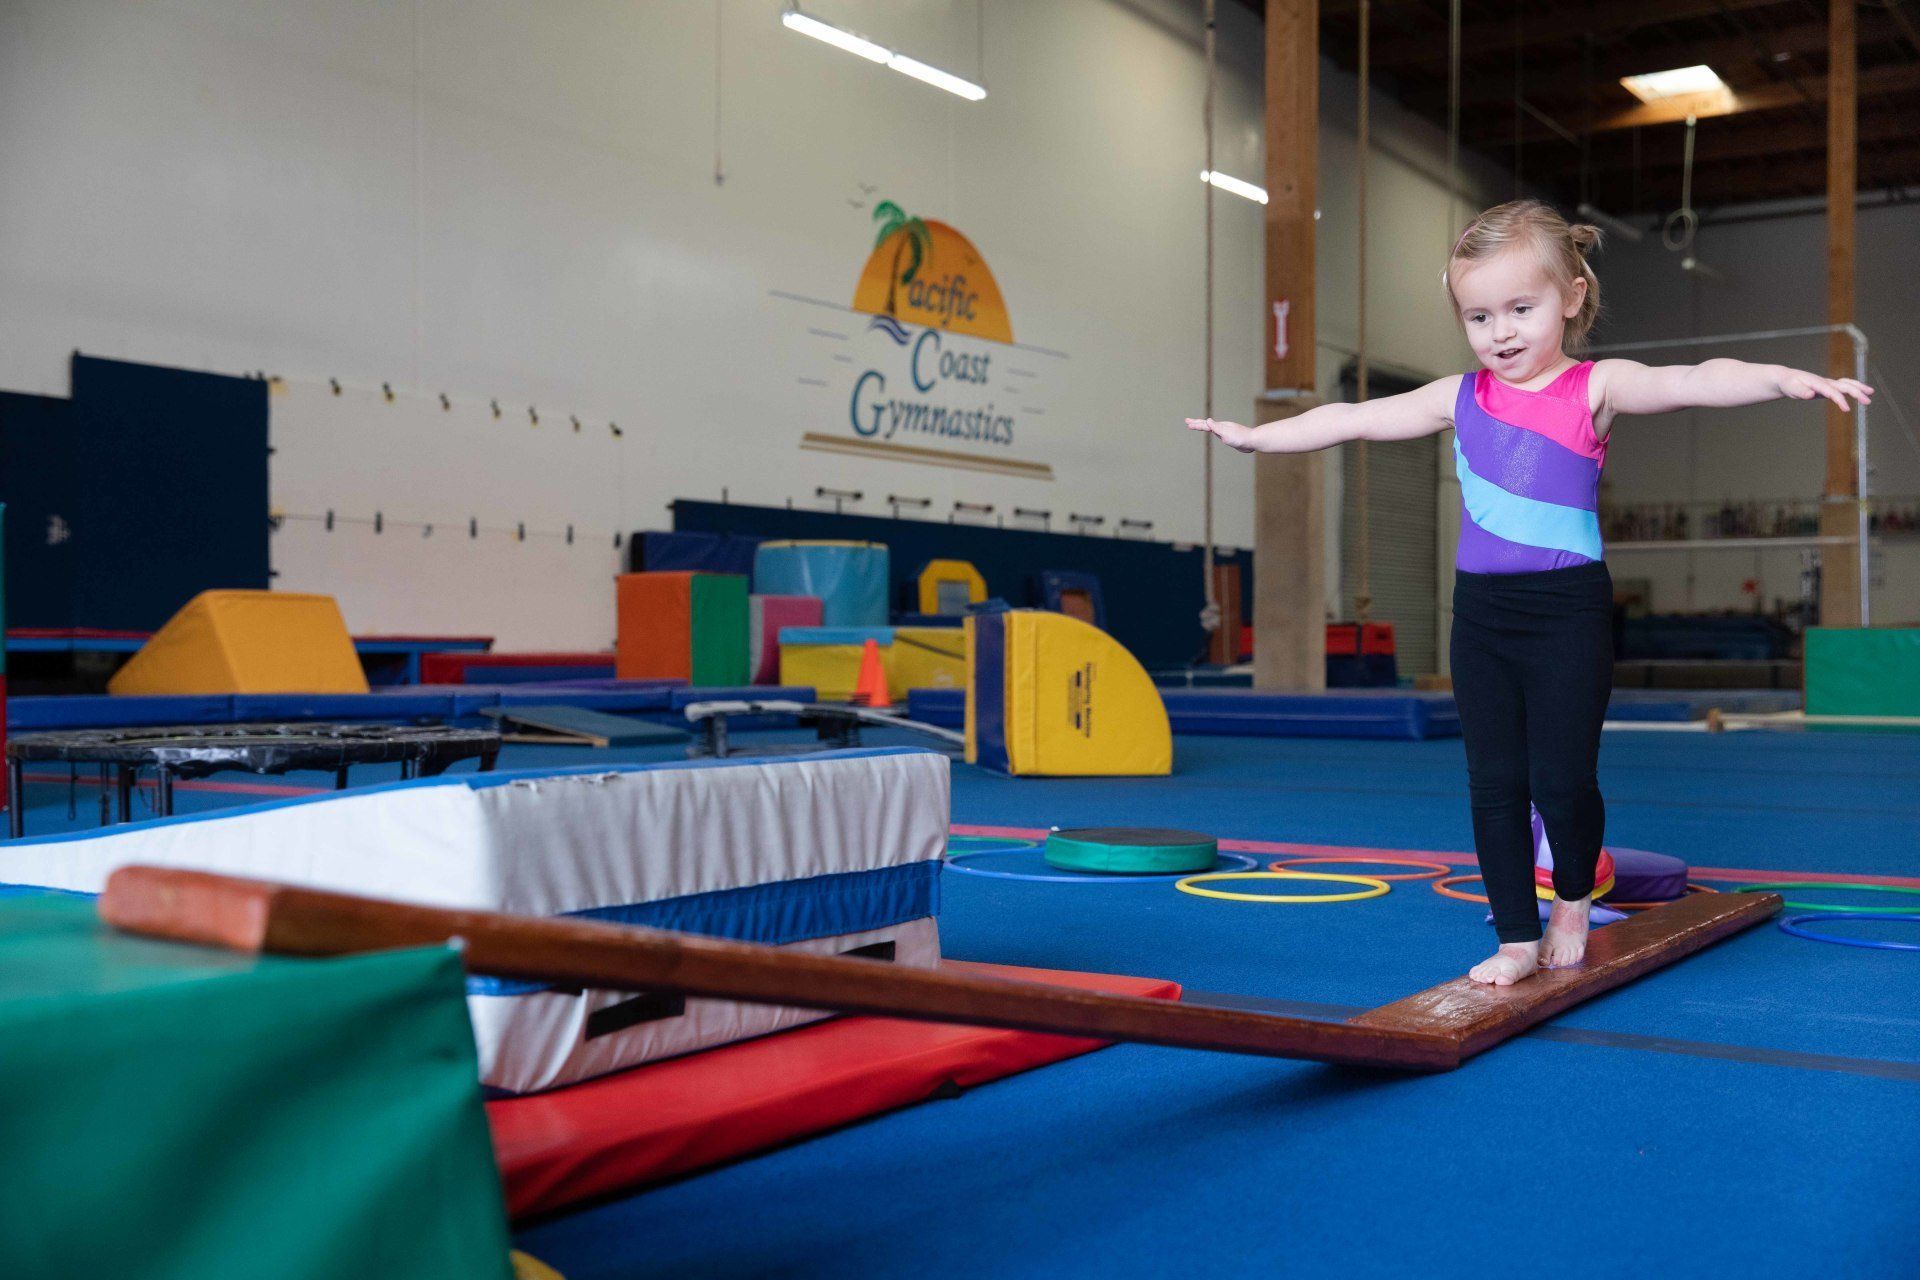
386,389
335,384
444,402
496,410
576,422
533,415
473,526
329,519
569,535
379,522
615,428
523,531
426,531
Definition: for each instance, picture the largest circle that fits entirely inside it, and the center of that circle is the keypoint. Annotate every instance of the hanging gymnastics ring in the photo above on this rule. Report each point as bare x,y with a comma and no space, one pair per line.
1191,884
1828,908
1444,887
1797,926
1602,875
1430,871
1642,906
957,862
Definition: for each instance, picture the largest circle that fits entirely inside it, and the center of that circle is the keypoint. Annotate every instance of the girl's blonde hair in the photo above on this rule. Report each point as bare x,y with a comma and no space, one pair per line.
1562,250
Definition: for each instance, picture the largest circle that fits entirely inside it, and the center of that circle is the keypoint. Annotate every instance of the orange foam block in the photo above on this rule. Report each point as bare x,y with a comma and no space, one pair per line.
247,642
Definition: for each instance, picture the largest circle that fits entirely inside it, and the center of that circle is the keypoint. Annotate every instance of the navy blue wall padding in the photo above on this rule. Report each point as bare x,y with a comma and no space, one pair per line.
1745,639
100,711
1154,609
654,552
37,448
1056,583
1254,714
174,499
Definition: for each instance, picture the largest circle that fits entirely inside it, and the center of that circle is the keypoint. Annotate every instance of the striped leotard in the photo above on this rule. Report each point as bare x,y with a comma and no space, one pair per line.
1529,467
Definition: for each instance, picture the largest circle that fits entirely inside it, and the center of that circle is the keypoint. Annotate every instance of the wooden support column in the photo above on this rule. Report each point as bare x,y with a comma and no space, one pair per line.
1289,611
1840,565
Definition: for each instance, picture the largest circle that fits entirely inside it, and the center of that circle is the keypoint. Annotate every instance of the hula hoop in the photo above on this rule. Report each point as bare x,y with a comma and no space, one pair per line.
1833,908
1796,925
1602,874
1235,862
1432,870
1642,906
1444,887
1191,884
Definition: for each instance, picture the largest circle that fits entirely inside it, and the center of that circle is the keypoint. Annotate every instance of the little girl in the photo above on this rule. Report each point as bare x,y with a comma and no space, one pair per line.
1532,642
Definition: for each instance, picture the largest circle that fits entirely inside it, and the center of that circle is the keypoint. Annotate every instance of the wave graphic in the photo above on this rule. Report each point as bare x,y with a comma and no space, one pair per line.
892,328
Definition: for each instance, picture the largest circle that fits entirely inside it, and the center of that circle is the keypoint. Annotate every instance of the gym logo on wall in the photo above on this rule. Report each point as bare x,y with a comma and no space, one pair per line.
934,375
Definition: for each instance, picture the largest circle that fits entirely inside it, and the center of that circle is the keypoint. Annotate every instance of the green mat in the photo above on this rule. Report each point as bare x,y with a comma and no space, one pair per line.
1863,671
173,1113
719,640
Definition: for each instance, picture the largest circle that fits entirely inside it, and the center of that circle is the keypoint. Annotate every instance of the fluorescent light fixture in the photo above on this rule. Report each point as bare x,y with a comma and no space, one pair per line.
1656,85
794,20
936,77
1244,189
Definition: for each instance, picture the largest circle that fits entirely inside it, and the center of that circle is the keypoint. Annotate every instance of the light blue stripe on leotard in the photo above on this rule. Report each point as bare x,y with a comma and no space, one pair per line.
1526,520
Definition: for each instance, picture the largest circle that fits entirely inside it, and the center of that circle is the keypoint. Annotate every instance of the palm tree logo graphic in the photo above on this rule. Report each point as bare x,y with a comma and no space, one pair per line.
917,241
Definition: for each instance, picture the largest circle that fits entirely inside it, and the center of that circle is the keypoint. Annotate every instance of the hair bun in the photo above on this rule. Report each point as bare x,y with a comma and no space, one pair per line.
1586,237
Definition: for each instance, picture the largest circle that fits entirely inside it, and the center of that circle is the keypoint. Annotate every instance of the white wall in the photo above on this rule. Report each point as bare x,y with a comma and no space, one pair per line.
517,203
1771,275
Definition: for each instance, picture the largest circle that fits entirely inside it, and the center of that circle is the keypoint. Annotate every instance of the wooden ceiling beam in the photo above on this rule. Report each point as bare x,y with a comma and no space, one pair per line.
1545,25
1561,85
1879,82
1665,150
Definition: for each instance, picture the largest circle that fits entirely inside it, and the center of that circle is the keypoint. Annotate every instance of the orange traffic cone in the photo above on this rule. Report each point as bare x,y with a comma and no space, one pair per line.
870,690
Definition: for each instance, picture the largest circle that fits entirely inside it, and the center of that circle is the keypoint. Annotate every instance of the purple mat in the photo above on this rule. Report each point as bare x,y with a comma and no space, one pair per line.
1638,875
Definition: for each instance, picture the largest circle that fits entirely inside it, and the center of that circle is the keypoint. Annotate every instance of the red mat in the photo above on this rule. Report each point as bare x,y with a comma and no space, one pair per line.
669,1118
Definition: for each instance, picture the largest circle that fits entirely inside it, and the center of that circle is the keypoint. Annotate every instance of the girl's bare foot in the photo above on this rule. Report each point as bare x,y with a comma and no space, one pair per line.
1512,962
1565,942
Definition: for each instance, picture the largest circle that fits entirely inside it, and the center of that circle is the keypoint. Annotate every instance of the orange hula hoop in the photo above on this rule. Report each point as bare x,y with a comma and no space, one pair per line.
1444,887
1429,870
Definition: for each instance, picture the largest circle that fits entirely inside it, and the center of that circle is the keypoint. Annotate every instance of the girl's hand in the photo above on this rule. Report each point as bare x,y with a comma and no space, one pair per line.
1802,385
1230,433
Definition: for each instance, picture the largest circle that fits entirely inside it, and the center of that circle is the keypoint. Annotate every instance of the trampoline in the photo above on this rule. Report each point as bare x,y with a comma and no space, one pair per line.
186,752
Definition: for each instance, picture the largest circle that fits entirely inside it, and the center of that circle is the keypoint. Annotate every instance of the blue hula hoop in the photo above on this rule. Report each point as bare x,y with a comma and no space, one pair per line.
955,861
1796,925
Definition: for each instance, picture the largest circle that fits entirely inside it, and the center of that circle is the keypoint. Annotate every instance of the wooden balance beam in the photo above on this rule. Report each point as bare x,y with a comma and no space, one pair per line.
1433,1031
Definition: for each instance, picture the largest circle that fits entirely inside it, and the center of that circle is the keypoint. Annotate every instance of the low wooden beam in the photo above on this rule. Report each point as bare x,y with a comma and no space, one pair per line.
1433,1031
1478,1016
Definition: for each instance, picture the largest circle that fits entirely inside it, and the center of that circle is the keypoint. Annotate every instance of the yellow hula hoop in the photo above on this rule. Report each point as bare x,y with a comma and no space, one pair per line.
1191,884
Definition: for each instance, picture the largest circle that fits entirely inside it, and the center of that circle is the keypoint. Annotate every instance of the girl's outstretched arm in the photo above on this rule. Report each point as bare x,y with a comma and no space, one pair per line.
1424,411
1627,386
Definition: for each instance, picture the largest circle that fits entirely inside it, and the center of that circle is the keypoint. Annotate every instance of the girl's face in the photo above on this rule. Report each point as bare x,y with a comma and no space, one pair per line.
1514,313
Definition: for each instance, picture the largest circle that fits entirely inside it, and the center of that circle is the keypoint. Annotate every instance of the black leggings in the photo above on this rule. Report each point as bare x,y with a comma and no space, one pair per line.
1532,670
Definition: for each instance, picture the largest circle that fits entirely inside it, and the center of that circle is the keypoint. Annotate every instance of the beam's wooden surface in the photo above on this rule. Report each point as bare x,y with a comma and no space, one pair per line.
251,915
1433,1031
1479,1016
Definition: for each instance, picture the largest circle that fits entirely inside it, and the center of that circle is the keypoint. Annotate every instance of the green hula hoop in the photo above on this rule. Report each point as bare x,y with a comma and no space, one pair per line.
1833,884
1374,888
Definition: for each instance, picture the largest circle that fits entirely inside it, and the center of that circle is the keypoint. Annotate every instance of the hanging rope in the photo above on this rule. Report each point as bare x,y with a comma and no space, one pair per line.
1210,614
1677,234
1363,601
